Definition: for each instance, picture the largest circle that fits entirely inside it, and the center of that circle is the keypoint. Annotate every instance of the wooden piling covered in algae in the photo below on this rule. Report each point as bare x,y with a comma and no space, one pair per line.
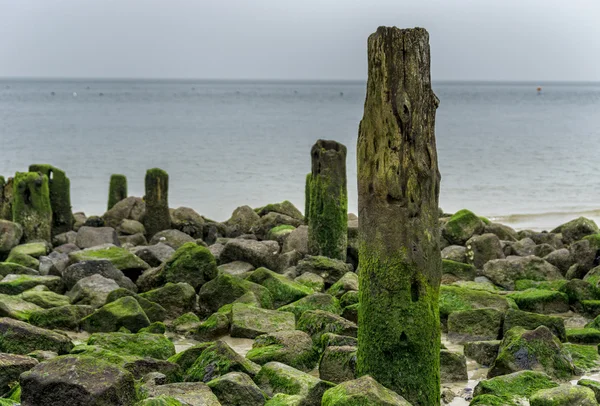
398,190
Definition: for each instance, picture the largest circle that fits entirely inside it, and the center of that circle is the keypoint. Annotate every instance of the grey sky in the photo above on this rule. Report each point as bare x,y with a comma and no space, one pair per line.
300,39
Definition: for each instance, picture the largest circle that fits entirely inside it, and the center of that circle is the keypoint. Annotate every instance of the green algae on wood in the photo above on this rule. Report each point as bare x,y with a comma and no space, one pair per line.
60,197
328,204
157,217
398,189
117,189
31,205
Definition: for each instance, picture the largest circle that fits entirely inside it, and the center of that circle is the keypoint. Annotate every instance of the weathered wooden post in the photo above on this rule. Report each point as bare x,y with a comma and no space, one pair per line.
117,189
328,202
31,205
157,217
60,197
6,198
398,189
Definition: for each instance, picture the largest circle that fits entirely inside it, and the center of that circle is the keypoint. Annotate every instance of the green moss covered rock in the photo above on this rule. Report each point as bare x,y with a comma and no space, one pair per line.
585,357
531,321
62,317
458,269
475,325
283,290
318,322
293,348
564,395
216,360
175,298
462,226
454,298
250,322
537,350
316,301
18,337
216,326
331,270
541,301
311,280
121,258
513,387
583,335
362,391
16,308
484,352
124,312
142,344
505,272
46,299
191,263
154,311
225,289
11,367
348,282
16,284
237,389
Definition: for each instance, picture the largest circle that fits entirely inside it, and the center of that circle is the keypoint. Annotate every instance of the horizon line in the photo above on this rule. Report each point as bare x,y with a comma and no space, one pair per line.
292,80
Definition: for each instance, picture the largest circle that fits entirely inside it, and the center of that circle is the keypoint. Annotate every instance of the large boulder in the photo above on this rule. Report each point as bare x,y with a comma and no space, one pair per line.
484,248
92,290
297,240
18,337
172,238
191,263
11,367
455,298
576,229
141,344
271,220
564,395
504,272
77,381
45,298
216,360
154,255
475,325
318,322
237,388
329,269
453,366
154,311
257,253
292,347
250,322
509,389
362,391
531,321
88,237
10,235
187,221
483,352
225,289
338,364
541,301
316,301
536,350
74,273
132,208
241,222
16,308
131,265
462,226
283,290
15,284
124,312
186,393
62,317
561,259
176,298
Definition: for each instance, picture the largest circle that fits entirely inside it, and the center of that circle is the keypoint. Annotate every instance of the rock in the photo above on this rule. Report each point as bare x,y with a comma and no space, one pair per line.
453,366
77,381
312,281
7,268
141,344
462,226
131,208
282,289
531,321
225,289
103,267
318,322
12,366
124,312
188,393
454,298
503,232
329,269
475,325
10,235
460,270
271,220
578,291
92,290
15,284
509,388
125,261
541,301
541,250
561,259
54,264
276,377
484,352
131,227
338,364
250,322
16,257
564,395
593,385
175,298
33,249
154,311
524,247
504,272
187,221
297,240
217,360
455,253
79,220
88,237
94,221
172,238
241,222
484,248
192,264
237,389
348,282
45,299
284,207
362,391
535,349
583,335
316,301
584,255
22,338
154,255
236,268
62,317
257,253
292,347
576,229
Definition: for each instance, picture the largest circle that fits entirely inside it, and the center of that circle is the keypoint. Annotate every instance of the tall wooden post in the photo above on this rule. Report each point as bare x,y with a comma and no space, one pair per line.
117,189
398,189
60,197
328,201
157,217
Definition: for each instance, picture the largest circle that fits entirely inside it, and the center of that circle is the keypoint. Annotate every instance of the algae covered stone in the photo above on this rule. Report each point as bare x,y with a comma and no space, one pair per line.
124,312
250,322
455,298
16,308
362,391
513,387
564,395
11,367
175,298
216,360
531,321
77,381
541,301
191,263
283,290
316,301
475,325
293,348
141,344
237,389
61,317
338,364
318,322
18,337
462,226
225,289
329,269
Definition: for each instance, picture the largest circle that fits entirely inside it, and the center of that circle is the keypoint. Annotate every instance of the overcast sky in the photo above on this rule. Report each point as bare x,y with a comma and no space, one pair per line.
295,39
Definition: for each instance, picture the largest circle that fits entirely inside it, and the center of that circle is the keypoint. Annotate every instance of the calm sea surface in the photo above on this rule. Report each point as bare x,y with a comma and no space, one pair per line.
505,152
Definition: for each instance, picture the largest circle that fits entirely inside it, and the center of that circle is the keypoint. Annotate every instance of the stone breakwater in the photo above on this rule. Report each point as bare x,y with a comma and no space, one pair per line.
105,297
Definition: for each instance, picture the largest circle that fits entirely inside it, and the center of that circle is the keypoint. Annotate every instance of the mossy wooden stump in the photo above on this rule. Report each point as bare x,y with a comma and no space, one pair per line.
398,189
5,199
31,205
157,217
327,201
60,197
117,190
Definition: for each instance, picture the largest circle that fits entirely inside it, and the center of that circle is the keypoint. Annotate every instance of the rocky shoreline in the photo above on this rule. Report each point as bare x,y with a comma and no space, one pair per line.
93,308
